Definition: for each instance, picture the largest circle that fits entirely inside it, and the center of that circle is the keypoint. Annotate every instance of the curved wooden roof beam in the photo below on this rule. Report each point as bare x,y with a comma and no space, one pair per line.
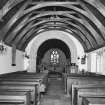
23,12
70,23
62,13
19,36
88,35
9,5
85,13
58,2
12,34
43,15
43,22
98,5
12,3
17,39
45,4
72,6
6,28
89,46
41,28
57,27
8,38
92,17
94,20
47,29
29,33
81,12
23,23
88,26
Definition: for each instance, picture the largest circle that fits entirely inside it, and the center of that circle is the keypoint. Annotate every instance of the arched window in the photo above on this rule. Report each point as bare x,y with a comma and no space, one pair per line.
54,57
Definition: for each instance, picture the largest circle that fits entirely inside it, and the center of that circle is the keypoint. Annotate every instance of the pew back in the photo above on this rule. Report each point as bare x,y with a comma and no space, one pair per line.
16,95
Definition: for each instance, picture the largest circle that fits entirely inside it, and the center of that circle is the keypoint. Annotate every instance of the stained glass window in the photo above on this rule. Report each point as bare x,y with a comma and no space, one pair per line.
54,57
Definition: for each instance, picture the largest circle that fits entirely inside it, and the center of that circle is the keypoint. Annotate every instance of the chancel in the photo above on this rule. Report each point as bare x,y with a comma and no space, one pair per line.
52,52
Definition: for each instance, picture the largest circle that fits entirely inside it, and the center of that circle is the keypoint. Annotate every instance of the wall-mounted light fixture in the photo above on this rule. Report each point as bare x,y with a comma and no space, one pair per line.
26,55
83,59
3,48
78,58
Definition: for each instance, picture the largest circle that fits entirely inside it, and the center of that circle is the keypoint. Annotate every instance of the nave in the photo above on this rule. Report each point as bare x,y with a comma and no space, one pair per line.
52,47
55,94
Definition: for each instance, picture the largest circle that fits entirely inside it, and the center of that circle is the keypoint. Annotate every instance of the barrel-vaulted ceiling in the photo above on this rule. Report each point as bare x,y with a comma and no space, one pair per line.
22,20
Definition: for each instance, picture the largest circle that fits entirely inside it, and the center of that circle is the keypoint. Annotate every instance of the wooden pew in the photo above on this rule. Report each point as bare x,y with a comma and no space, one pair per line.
83,80
32,88
30,75
12,73
25,82
26,74
20,81
83,88
15,95
27,78
11,102
40,78
95,98
24,79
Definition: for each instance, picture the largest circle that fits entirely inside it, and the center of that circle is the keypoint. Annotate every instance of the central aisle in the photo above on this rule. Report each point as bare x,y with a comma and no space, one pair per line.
55,94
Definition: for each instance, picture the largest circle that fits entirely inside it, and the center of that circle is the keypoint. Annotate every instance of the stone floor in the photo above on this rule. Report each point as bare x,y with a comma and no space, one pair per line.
55,94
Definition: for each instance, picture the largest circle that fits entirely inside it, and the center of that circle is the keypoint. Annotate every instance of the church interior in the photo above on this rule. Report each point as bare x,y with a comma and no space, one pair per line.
52,52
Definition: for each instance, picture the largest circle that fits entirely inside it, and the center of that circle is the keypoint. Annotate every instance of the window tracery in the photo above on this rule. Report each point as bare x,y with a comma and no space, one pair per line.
54,57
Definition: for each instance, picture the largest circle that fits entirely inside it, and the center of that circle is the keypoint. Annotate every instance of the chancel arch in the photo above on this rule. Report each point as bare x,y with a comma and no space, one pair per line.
34,45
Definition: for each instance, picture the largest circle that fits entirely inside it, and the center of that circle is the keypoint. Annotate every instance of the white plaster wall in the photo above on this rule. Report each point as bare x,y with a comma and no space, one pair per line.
42,37
96,61
93,62
89,62
6,60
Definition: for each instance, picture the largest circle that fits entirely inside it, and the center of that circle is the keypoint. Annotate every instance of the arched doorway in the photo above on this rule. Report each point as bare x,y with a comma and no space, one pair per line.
52,54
